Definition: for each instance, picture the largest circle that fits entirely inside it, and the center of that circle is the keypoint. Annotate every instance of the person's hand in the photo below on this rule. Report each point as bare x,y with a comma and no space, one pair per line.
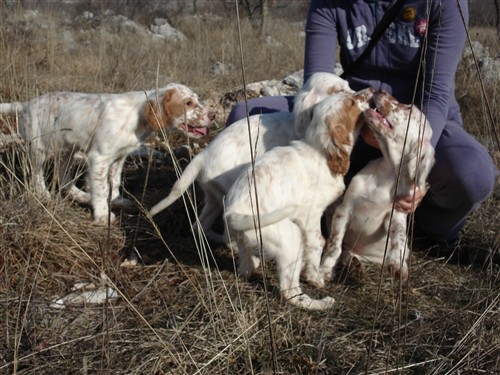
368,137
410,202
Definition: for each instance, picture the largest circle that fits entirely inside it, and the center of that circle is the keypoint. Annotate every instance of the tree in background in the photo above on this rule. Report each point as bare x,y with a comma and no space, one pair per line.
264,15
497,12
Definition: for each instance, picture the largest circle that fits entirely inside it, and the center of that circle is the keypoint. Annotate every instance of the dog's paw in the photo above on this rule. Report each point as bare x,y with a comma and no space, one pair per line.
312,276
326,274
397,272
353,265
304,301
328,302
315,279
255,262
129,263
42,194
246,269
104,219
78,195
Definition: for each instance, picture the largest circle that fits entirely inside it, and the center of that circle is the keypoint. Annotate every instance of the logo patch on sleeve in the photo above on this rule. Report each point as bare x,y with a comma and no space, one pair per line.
409,14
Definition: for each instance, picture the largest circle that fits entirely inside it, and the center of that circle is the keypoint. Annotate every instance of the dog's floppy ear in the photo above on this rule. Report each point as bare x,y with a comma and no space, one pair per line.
157,112
338,149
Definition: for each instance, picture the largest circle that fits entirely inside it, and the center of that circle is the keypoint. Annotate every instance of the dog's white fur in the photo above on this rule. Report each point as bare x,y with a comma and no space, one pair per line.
106,128
362,222
294,185
218,165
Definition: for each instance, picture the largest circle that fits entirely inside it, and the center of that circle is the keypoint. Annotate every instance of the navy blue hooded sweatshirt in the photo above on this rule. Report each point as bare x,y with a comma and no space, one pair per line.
394,63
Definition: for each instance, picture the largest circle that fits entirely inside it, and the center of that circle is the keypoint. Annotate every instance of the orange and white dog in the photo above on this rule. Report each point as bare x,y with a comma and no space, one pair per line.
217,166
365,226
291,186
106,128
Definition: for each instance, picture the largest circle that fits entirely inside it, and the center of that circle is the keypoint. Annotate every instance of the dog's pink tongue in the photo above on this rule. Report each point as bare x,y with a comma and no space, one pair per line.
202,130
381,118
375,113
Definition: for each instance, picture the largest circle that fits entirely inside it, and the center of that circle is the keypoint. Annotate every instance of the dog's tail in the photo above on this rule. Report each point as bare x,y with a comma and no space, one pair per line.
242,222
11,108
181,185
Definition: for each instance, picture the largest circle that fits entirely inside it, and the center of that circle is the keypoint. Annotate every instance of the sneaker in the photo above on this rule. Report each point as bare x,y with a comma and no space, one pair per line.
452,251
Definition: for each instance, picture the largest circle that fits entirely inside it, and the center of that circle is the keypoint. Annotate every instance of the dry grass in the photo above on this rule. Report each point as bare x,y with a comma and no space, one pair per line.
185,311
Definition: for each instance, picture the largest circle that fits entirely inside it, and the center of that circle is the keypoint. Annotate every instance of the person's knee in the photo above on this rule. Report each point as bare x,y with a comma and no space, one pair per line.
237,113
257,106
469,177
479,175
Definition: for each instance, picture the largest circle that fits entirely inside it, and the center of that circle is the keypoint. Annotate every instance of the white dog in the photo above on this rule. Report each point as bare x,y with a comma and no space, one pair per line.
218,165
106,128
365,224
286,193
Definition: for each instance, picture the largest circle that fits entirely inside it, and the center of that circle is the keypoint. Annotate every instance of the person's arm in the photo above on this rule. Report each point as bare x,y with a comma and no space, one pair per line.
446,40
321,38
446,36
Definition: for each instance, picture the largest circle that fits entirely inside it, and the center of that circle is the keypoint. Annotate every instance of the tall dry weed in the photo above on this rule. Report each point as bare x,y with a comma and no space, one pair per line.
185,311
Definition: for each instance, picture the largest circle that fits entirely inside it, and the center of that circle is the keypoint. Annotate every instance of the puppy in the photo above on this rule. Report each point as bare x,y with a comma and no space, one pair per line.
218,165
364,225
286,193
106,128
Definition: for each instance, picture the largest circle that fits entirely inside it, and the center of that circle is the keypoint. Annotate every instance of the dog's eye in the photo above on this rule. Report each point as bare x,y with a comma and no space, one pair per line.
189,103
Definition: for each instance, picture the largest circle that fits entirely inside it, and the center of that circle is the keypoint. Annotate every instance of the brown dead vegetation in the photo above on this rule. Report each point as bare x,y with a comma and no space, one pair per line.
183,310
